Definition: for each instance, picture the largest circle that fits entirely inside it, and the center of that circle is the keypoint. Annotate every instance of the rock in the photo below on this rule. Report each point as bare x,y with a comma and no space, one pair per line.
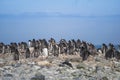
104,78
38,76
50,59
2,62
81,66
62,70
119,78
35,78
17,65
76,78
8,77
23,78
75,74
99,68
101,75
31,63
1,69
83,77
44,63
92,78
117,69
116,64
98,59
90,71
8,67
107,69
36,67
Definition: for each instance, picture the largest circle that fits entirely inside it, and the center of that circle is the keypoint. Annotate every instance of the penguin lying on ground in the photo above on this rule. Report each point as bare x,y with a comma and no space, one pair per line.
66,62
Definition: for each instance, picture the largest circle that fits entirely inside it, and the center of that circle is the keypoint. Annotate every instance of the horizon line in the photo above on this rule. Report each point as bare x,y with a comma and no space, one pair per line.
53,14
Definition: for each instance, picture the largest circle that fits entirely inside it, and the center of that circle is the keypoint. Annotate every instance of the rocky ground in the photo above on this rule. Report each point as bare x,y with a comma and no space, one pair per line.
95,68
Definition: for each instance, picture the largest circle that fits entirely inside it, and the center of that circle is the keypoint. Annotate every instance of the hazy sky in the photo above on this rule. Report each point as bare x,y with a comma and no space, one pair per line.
96,21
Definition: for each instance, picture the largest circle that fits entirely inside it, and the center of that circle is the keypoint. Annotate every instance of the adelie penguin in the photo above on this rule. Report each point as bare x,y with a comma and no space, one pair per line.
66,62
27,53
16,55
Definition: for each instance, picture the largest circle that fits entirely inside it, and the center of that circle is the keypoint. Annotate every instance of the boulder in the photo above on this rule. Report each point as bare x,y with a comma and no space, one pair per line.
104,78
99,68
36,67
81,66
16,65
38,76
8,77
